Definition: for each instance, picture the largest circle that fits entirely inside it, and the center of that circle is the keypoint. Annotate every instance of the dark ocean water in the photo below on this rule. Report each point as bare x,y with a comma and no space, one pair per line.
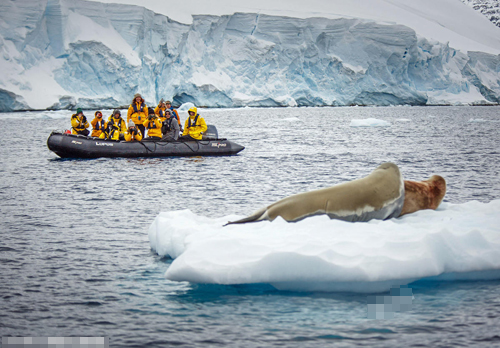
75,258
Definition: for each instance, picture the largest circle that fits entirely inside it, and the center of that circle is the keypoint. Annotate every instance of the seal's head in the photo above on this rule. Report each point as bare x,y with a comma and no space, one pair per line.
437,186
426,194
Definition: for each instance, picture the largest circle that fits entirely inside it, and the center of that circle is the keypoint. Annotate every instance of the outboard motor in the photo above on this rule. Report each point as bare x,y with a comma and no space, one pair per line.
210,133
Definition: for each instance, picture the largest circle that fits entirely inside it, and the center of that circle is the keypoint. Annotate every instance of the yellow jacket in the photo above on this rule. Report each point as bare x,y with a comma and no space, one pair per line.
98,125
194,125
154,127
128,136
138,113
78,124
114,134
120,123
160,112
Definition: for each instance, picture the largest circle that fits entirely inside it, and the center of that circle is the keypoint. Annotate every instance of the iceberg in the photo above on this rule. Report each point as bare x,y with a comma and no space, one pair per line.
454,242
60,54
369,122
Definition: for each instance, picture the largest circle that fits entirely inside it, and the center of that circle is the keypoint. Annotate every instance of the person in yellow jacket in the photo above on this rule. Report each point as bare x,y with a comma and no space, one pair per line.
117,119
160,111
111,132
79,123
163,107
138,112
153,125
132,133
194,126
98,124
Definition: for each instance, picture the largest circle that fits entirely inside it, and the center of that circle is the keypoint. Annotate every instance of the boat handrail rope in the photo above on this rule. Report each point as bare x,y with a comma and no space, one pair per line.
147,148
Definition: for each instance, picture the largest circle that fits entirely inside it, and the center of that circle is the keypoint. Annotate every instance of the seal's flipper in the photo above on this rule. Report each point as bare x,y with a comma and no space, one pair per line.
252,218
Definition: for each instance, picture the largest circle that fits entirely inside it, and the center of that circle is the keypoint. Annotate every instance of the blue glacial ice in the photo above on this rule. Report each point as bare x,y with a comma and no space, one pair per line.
59,54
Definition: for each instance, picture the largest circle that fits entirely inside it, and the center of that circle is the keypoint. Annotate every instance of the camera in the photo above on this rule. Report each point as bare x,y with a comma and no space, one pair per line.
151,117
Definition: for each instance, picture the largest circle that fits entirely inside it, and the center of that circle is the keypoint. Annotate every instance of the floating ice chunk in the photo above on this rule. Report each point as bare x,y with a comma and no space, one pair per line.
185,107
369,122
457,241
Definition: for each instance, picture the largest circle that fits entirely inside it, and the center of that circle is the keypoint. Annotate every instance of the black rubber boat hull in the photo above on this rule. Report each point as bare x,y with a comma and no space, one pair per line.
79,146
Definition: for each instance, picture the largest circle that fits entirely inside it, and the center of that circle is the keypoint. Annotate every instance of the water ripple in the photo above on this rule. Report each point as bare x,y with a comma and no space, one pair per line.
76,259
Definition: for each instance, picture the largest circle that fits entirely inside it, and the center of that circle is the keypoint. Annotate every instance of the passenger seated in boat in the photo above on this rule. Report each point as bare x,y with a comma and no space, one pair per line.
132,133
153,125
98,124
111,132
174,112
79,123
170,127
138,112
194,126
119,122
160,110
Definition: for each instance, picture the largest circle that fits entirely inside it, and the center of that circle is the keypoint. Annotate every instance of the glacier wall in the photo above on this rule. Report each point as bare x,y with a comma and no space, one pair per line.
58,54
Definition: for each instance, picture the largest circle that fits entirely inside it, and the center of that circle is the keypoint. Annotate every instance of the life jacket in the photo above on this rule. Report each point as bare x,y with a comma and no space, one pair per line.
134,106
82,122
100,125
174,113
110,134
194,121
119,122
151,124
167,125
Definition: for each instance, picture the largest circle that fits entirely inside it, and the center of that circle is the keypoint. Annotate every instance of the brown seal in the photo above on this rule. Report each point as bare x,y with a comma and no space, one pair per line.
426,194
379,195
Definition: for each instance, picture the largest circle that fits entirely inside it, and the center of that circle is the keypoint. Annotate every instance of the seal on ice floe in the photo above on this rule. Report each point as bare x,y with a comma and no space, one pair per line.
381,195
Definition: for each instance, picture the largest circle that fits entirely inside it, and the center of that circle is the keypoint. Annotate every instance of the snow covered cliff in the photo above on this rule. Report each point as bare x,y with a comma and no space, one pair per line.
60,54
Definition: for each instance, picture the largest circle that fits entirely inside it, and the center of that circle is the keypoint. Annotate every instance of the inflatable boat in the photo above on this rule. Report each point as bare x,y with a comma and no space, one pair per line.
79,146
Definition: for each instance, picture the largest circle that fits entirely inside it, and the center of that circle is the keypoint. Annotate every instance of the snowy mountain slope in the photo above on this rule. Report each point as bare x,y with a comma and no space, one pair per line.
489,8
62,54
